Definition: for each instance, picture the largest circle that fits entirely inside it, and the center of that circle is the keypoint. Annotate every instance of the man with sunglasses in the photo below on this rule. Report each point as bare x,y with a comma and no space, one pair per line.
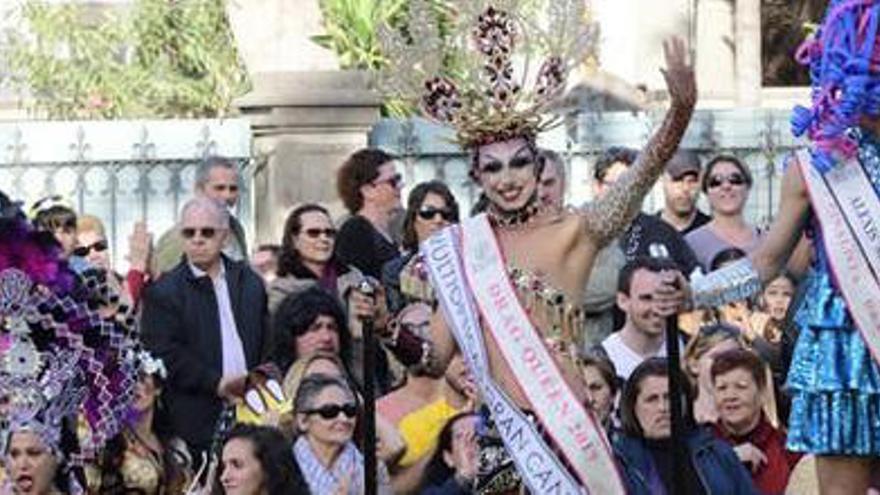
369,187
217,178
207,319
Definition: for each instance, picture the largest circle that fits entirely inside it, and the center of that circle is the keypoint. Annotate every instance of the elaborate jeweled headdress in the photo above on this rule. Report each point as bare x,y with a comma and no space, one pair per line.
844,60
59,357
477,74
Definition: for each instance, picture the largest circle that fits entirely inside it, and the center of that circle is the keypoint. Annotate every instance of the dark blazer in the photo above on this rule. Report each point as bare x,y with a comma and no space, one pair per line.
181,324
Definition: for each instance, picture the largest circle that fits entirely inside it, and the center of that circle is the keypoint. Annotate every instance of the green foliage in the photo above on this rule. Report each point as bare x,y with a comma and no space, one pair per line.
351,28
351,31
156,58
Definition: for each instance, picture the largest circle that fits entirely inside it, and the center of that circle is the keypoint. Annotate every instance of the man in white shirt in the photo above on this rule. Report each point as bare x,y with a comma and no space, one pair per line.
206,318
643,334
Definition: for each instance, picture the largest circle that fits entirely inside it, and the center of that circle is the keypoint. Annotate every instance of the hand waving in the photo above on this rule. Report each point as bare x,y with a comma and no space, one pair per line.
679,72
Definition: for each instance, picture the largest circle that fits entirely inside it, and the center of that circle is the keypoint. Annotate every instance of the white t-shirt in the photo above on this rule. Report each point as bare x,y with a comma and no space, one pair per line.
625,359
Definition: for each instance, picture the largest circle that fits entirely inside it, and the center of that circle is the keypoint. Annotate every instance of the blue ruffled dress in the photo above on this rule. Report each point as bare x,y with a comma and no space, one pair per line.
834,381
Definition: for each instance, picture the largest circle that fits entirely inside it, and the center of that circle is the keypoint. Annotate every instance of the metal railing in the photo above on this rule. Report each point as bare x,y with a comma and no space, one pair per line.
759,137
119,171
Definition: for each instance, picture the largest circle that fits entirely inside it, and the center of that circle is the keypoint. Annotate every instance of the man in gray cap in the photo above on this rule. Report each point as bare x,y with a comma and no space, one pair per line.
681,188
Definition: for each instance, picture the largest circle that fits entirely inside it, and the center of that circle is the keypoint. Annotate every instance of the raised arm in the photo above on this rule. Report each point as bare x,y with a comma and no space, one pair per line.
607,217
745,277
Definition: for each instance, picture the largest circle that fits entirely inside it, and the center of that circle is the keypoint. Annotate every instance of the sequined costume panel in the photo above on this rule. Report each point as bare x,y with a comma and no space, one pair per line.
834,381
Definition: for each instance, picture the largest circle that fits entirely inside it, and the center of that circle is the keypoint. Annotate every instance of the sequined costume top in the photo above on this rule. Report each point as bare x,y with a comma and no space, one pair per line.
834,381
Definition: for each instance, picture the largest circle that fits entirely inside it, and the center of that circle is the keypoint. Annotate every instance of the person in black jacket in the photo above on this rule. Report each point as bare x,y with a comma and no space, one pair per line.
369,186
207,320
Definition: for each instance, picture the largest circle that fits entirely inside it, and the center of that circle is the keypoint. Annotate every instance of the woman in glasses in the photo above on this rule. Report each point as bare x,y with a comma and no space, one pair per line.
726,182
93,246
430,207
307,258
326,416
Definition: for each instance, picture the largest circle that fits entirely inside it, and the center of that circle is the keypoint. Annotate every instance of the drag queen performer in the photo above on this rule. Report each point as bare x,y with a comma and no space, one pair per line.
60,363
510,282
831,192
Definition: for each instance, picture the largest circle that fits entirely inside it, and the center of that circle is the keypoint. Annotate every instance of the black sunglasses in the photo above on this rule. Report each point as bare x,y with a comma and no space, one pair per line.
331,411
734,179
83,251
315,233
431,213
205,232
395,180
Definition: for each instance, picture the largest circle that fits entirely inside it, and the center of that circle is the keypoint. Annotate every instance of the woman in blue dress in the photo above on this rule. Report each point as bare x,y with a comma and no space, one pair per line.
834,380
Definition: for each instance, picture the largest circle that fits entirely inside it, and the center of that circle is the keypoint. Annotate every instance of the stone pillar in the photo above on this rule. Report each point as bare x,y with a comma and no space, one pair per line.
716,73
748,53
304,125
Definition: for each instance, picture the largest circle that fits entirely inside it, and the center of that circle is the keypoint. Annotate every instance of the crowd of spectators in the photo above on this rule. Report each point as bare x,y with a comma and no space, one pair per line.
228,330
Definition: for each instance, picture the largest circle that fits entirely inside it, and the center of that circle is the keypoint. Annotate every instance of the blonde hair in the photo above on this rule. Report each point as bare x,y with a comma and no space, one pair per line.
90,223
706,338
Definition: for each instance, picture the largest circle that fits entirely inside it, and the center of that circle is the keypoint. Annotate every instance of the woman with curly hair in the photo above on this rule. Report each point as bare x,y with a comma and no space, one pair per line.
256,460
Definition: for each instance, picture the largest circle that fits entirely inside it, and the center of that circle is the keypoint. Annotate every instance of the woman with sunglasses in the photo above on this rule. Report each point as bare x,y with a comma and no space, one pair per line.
430,207
326,416
93,246
726,182
307,257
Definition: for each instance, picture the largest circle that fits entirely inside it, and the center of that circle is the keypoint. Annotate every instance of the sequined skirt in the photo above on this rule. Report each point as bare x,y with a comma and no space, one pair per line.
496,472
834,382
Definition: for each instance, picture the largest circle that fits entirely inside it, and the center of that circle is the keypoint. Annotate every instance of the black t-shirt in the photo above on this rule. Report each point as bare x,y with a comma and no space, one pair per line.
359,244
647,230
699,220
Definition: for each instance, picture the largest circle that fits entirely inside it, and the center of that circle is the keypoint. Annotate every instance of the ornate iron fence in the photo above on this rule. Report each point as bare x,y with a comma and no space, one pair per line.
120,171
759,137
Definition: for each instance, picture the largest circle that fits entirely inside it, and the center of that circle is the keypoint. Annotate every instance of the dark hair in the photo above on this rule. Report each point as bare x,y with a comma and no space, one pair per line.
612,155
437,471
174,461
289,262
707,175
414,202
650,367
740,358
53,217
725,256
296,313
281,474
654,265
208,164
361,168
606,369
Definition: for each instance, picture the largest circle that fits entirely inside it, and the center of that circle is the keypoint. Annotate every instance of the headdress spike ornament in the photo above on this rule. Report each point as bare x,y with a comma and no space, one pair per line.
488,90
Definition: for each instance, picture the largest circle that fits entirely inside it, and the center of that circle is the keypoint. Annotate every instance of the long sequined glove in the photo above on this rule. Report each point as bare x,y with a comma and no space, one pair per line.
735,282
607,217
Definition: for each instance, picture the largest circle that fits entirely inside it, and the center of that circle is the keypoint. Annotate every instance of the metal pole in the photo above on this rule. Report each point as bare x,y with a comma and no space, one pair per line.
369,374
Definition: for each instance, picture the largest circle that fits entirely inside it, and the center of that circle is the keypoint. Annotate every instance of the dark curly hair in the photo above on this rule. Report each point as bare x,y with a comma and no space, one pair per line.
612,155
289,262
281,474
296,313
417,196
361,168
